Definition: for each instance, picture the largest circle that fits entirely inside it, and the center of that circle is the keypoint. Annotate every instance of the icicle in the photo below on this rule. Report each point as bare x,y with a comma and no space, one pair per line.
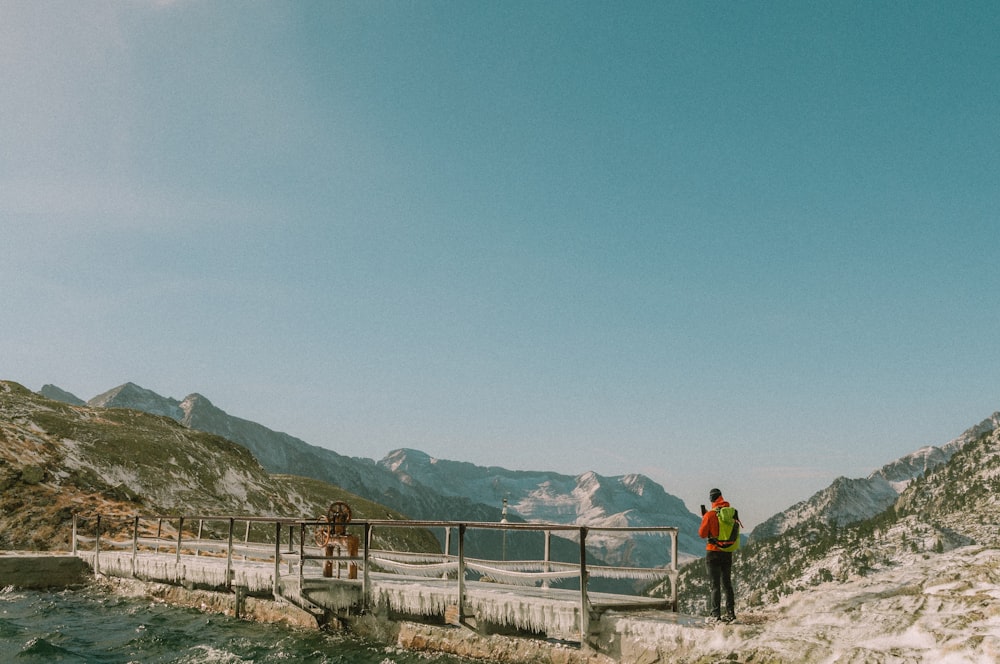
417,570
520,578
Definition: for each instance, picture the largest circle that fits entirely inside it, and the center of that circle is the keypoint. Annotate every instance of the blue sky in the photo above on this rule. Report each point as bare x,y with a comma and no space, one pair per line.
749,245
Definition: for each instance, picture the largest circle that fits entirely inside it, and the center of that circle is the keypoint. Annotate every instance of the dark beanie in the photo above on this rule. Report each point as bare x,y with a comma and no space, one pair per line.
714,495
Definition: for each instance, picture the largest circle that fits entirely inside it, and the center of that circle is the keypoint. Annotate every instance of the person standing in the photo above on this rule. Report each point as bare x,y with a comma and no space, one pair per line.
720,526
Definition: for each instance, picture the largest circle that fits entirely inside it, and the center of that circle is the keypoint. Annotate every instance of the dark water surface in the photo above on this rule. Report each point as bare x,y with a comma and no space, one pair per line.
90,626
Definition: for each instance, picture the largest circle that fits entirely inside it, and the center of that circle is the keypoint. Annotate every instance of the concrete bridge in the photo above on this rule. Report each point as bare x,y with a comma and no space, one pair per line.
330,568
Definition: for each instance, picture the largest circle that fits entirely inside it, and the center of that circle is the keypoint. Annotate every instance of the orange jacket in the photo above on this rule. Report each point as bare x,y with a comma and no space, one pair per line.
710,524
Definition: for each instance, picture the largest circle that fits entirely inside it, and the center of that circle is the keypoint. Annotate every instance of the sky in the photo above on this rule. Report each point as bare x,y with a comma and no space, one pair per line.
744,245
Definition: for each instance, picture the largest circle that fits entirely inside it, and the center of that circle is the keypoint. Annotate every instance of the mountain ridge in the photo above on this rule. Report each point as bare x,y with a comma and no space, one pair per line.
846,501
58,460
426,495
587,499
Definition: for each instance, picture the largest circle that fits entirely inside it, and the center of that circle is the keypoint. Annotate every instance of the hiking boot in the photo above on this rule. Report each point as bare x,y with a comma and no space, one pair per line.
728,618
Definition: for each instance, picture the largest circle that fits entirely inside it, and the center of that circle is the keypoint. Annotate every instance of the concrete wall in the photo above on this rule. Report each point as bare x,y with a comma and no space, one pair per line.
42,571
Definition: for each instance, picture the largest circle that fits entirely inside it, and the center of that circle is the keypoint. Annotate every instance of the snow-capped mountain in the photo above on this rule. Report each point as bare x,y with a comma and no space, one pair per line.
425,488
848,501
547,497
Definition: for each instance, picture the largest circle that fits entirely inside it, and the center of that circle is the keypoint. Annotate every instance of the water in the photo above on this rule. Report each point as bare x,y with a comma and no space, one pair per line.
96,628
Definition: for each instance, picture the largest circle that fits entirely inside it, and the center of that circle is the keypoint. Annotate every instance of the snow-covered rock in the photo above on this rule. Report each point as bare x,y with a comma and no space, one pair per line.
588,499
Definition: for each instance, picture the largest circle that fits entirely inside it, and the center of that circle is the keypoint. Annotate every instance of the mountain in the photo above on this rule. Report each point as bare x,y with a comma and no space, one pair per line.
848,501
280,452
588,499
132,396
57,459
424,488
57,394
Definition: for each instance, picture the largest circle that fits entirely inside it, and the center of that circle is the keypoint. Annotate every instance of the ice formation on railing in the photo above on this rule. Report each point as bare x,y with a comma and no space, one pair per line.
515,578
402,556
205,572
425,569
415,599
523,565
526,613
627,573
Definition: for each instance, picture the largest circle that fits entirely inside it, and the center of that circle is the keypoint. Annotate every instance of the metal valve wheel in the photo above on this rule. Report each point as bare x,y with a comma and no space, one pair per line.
337,518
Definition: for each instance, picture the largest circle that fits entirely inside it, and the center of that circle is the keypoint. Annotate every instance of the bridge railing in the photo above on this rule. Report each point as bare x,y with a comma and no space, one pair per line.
520,572
286,542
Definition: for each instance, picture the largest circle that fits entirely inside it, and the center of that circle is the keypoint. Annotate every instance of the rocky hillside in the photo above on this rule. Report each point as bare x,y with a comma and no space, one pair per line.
279,452
954,504
57,459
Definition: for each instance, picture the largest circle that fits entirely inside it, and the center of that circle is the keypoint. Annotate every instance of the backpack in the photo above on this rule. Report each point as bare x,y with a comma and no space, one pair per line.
729,528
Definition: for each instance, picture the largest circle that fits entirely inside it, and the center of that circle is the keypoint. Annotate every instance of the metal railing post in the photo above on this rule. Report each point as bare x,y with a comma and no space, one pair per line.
159,533
673,566
302,555
180,531
366,582
447,549
548,548
197,546
72,546
277,560
461,572
229,556
135,543
97,547
584,600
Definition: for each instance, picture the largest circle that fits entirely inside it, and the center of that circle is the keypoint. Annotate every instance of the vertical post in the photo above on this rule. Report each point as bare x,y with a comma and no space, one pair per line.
673,550
97,547
461,572
447,548
584,600
366,586
229,557
246,539
277,559
159,531
135,542
673,566
201,528
302,554
73,543
180,530
548,548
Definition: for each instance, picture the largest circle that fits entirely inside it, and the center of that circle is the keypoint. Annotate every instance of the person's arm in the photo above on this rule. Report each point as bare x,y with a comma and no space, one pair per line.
709,525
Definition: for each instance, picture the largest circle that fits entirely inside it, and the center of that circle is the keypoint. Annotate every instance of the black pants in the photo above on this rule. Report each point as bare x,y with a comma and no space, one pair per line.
720,573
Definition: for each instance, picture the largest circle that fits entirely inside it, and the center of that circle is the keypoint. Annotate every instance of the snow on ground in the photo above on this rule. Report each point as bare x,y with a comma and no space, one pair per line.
940,608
